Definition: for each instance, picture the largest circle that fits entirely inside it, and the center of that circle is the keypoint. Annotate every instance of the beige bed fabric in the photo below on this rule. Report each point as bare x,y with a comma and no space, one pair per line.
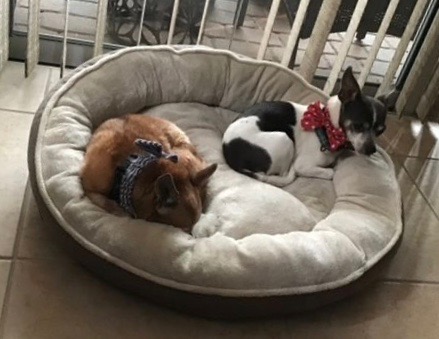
255,239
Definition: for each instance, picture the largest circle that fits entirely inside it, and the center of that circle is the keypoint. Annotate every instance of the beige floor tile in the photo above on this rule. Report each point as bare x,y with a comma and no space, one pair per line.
36,241
392,41
433,116
77,24
281,24
4,275
14,131
411,138
221,16
397,162
52,299
46,5
379,68
252,35
215,30
225,5
19,93
336,36
385,54
366,41
425,172
258,9
416,259
349,61
387,310
355,51
54,76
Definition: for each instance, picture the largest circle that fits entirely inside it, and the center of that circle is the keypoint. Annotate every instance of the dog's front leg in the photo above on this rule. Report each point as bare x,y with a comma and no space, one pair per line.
316,172
313,164
310,169
107,204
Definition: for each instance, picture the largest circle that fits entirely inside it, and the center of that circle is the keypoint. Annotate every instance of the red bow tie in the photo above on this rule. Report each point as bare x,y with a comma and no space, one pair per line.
317,116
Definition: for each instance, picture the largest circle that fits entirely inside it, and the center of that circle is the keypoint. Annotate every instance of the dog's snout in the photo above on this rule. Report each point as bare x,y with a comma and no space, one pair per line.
370,149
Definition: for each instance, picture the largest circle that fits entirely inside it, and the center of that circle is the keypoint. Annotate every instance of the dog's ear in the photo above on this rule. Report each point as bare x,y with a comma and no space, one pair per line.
201,177
389,99
166,193
349,86
383,99
388,102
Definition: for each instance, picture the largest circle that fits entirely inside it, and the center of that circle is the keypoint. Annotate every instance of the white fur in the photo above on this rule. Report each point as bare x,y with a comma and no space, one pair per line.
303,158
357,139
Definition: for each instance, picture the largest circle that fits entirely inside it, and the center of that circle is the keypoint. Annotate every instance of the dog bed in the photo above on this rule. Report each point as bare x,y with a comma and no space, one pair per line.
258,250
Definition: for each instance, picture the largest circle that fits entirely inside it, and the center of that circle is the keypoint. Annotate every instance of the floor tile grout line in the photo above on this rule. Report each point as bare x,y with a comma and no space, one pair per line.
39,259
412,156
4,308
8,110
420,191
409,281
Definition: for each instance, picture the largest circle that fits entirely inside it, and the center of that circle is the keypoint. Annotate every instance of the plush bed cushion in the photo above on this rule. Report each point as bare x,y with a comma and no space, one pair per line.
255,239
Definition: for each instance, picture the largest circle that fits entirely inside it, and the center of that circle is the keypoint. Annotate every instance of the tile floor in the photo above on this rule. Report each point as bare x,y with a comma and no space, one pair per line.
45,294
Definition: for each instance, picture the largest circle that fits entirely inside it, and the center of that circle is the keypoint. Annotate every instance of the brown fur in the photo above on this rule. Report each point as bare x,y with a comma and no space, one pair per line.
184,181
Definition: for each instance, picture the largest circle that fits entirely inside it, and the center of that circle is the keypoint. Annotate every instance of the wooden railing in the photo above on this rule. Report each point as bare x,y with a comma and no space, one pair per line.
418,93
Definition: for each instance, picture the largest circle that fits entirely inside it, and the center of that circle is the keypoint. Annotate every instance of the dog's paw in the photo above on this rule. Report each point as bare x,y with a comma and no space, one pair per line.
119,211
206,226
115,209
106,204
316,172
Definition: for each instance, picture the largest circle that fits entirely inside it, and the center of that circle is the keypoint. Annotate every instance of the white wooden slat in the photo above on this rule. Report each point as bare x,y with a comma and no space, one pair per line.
294,33
421,72
173,21
402,47
430,96
318,38
33,41
203,22
65,33
101,24
4,32
268,28
142,17
378,41
344,49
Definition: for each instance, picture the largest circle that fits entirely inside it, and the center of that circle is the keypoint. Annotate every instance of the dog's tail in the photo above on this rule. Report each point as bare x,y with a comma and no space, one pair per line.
275,180
248,173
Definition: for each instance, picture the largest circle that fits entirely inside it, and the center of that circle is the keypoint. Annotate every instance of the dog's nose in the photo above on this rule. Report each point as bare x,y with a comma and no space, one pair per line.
370,149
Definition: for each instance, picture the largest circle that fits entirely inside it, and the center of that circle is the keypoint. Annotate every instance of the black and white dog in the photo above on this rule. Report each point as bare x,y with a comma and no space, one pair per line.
275,141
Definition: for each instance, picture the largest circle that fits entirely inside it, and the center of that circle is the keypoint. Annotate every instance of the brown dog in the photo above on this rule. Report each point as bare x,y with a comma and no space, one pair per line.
165,192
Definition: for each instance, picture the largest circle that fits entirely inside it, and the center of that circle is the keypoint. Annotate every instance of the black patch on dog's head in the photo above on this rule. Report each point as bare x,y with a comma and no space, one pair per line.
362,117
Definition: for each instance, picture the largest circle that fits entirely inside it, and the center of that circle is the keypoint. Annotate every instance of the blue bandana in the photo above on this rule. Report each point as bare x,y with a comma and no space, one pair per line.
126,175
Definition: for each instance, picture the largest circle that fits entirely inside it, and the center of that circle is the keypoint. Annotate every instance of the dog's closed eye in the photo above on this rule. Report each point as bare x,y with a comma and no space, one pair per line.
166,192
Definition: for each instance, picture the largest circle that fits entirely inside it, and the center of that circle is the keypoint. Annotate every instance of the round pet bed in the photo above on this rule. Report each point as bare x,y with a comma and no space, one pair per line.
258,250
